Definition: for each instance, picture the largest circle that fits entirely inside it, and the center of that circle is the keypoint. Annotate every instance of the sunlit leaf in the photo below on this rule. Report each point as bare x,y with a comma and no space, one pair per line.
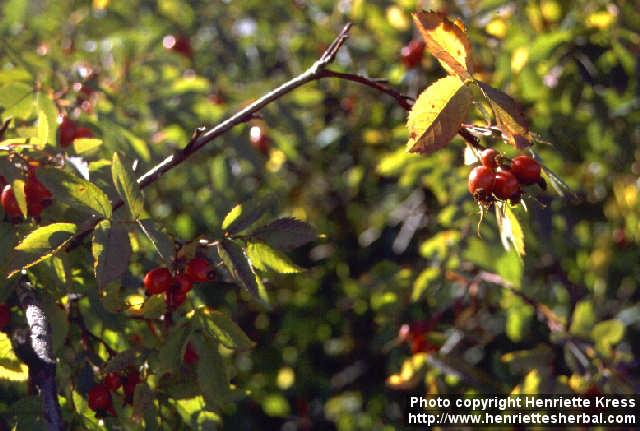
422,282
510,228
243,216
606,334
265,258
240,269
39,245
84,146
72,190
11,368
47,119
447,41
18,192
226,331
411,372
437,114
17,100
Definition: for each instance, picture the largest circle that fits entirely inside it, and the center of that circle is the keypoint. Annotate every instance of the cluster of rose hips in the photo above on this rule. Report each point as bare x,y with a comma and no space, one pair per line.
497,179
37,195
175,287
99,398
412,53
69,131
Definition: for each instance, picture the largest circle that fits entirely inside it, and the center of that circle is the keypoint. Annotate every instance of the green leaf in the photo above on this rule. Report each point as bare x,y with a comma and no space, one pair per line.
423,281
154,307
11,368
86,146
111,251
164,245
606,334
78,193
139,145
144,406
127,186
39,245
285,233
18,191
510,228
47,119
243,216
265,258
120,361
240,269
222,328
437,114
583,318
17,100
213,378
170,353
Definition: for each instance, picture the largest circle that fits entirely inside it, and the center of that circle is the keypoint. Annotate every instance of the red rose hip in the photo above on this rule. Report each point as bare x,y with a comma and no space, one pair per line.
488,158
412,53
158,280
190,355
67,131
112,381
525,169
506,186
183,283
10,204
198,270
481,180
99,398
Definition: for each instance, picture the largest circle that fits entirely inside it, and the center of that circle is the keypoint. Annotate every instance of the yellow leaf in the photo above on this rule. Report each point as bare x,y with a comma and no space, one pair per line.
510,117
600,20
436,116
497,28
447,41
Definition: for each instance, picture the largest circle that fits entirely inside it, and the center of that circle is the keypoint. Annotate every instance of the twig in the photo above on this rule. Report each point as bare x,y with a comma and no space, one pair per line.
554,322
403,100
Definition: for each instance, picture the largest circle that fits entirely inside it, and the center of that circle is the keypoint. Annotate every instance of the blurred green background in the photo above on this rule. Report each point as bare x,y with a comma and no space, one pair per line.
399,240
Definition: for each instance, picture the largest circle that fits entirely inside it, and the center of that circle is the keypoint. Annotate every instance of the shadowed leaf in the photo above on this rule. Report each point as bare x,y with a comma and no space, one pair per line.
285,233
127,187
509,115
111,251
